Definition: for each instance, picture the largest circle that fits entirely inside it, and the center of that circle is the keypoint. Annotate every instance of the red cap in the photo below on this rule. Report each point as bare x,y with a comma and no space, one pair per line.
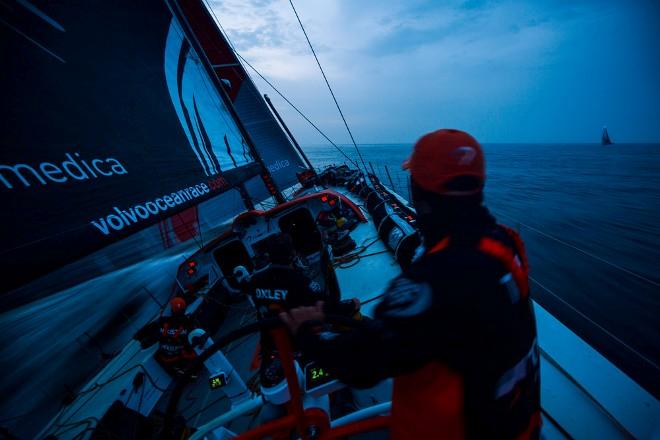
441,156
177,304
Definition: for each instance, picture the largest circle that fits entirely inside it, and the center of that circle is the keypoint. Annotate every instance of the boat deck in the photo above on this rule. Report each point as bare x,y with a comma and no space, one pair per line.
583,394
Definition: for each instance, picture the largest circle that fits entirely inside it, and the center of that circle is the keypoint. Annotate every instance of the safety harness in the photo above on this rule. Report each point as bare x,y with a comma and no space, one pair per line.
514,260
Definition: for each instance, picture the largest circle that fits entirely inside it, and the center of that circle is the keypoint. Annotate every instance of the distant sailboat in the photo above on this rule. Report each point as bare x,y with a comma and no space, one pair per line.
605,139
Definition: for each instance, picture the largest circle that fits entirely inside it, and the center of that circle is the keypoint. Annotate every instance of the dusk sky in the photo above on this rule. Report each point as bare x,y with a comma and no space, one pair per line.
548,71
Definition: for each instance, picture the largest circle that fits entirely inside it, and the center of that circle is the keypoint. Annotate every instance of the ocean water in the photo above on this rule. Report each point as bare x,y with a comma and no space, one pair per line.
590,218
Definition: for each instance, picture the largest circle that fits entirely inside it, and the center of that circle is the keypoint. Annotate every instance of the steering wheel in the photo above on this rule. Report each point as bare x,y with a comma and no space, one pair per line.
299,417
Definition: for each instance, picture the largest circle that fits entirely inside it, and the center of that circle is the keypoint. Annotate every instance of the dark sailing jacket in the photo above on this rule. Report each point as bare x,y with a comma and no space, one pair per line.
277,288
457,332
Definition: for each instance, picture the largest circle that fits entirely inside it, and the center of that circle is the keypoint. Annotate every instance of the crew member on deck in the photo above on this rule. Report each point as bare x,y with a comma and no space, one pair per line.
174,349
457,329
279,286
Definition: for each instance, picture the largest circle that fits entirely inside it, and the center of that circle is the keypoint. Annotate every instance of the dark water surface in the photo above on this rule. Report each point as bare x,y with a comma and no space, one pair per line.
590,218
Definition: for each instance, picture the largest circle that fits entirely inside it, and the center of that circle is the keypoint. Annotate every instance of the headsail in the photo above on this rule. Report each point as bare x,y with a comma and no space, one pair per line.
270,141
111,123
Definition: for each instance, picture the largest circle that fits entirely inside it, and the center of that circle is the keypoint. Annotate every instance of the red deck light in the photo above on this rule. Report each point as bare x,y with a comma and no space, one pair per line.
192,267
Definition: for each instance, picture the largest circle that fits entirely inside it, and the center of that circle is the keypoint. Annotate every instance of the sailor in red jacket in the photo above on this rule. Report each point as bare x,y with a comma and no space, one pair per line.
174,349
456,330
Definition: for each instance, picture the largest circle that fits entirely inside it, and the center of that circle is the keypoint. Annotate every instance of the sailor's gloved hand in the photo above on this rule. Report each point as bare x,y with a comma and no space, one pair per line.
294,318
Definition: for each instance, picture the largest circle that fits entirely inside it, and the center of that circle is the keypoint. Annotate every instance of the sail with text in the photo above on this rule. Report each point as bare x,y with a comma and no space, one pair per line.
269,139
113,121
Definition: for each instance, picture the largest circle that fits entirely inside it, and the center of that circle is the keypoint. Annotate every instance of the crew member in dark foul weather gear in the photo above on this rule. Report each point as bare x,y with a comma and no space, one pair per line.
456,330
280,286
174,350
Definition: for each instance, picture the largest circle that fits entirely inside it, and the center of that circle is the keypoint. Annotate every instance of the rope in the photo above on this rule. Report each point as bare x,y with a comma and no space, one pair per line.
299,111
356,258
357,252
231,44
329,88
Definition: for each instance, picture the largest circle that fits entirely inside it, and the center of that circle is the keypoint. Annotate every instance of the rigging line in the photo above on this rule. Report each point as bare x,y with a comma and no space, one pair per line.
31,40
231,45
329,88
600,327
298,110
603,260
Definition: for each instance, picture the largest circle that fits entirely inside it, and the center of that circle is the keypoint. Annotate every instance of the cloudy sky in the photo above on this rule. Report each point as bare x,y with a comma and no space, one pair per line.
547,71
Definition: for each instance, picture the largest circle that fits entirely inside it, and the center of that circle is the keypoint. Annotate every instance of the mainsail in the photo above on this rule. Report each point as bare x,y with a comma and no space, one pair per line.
113,122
